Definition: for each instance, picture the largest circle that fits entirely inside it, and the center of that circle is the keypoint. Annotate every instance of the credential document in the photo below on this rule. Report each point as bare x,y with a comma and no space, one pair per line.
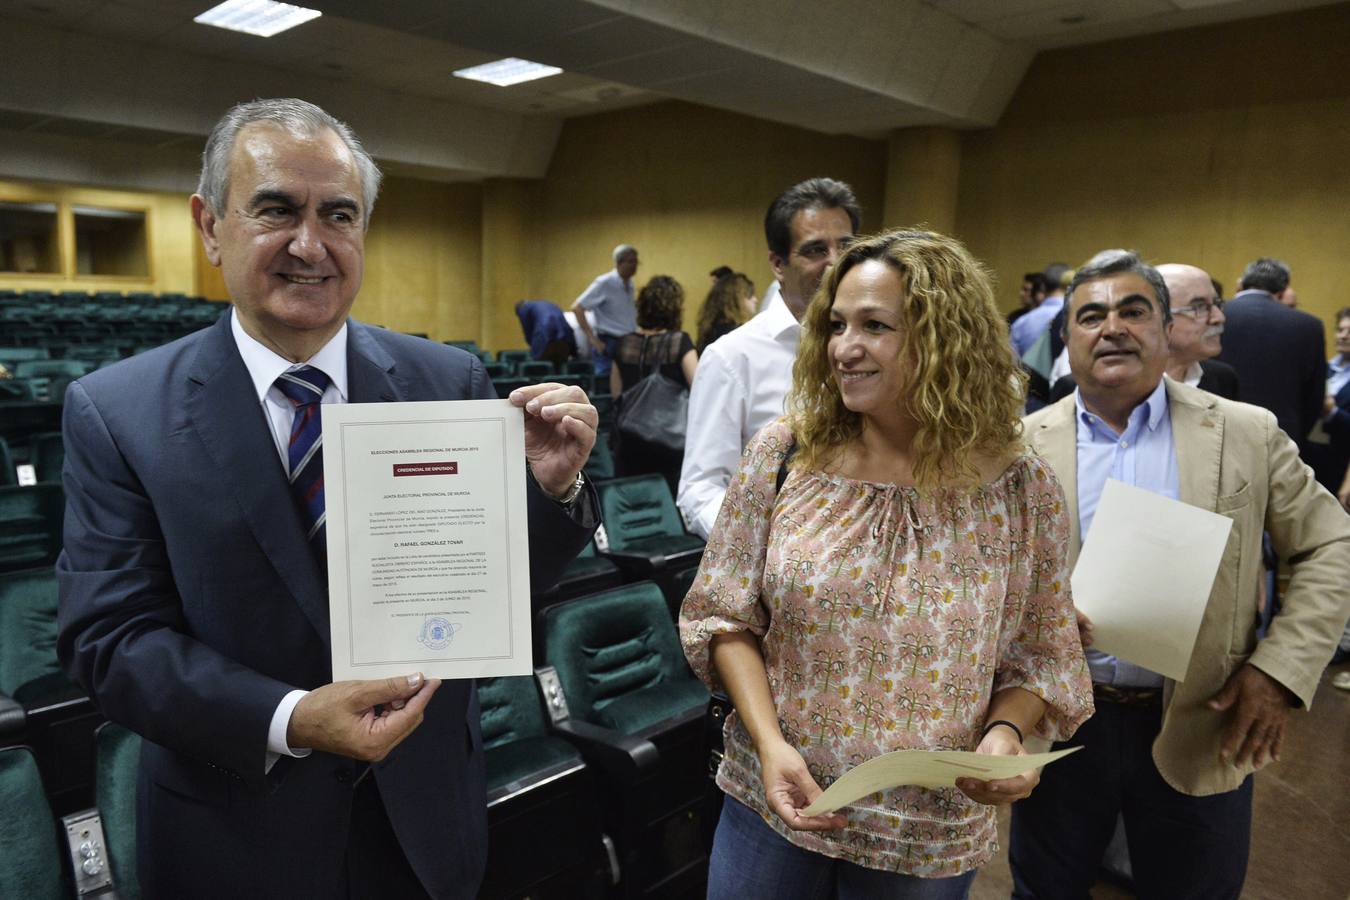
1145,573
428,557
924,768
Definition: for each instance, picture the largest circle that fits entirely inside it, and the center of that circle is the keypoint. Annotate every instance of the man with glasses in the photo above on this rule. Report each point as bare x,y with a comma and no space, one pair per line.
742,378
1197,331
1175,758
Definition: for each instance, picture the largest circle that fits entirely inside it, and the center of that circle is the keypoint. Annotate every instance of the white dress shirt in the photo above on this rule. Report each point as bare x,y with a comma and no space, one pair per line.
738,388
263,368
771,293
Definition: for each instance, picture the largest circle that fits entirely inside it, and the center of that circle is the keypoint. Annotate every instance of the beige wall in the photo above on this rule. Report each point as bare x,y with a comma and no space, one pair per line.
1211,146
169,238
688,186
422,260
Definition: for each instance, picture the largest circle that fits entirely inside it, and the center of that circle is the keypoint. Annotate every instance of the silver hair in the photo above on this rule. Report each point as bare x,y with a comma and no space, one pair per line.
296,116
624,250
1116,262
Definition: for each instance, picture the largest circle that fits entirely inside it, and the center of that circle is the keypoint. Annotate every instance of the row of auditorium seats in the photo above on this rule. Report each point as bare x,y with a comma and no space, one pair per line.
95,327
631,778
596,771
617,750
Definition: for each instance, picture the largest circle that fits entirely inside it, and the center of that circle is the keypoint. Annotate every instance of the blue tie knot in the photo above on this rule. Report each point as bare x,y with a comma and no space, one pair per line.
304,385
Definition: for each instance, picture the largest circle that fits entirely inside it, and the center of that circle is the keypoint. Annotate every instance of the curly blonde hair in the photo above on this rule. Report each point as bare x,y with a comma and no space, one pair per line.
965,389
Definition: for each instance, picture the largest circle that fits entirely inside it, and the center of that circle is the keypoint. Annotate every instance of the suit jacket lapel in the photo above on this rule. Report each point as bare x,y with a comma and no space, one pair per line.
1056,440
1197,435
222,408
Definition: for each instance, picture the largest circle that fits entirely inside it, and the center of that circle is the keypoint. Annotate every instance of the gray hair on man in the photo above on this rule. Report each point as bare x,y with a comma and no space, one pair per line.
1116,262
299,117
623,251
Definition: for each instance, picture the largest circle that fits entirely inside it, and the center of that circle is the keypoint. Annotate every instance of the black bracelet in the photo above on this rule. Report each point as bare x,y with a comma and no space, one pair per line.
992,725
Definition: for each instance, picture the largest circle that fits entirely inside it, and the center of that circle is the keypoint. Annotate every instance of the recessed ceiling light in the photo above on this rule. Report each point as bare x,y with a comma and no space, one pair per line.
506,72
261,17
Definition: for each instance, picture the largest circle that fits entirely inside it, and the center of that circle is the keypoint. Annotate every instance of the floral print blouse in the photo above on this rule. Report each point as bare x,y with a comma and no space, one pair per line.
888,616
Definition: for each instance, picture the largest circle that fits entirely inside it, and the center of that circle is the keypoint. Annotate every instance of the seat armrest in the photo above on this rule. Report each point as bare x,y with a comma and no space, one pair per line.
12,717
618,756
637,564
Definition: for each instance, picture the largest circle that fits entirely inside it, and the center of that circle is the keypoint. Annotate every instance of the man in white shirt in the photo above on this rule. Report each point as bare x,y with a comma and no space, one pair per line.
610,299
743,377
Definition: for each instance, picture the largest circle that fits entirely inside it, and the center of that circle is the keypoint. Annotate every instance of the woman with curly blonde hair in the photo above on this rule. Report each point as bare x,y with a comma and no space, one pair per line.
887,572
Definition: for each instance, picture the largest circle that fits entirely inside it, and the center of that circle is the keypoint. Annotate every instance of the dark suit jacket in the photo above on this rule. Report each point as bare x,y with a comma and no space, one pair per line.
1279,355
1215,377
543,323
1219,378
191,604
1329,460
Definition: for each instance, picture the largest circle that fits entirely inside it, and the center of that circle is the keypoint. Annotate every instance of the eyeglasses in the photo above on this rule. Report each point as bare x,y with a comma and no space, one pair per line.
1200,310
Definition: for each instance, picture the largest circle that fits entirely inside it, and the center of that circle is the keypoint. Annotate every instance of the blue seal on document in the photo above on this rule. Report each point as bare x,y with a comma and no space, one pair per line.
437,632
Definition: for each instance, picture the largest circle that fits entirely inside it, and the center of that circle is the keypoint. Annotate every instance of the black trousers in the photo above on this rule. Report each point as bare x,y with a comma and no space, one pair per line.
1181,847
377,869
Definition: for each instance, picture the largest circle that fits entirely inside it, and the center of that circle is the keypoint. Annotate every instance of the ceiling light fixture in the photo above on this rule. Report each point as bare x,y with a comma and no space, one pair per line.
261,17
506,72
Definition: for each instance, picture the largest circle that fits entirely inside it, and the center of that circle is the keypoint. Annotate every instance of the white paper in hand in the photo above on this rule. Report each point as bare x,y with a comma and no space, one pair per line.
924,768
1144,576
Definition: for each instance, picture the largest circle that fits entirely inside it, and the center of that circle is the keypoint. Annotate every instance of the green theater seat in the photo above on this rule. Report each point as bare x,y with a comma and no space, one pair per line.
30,525
29,669
516,741
544,835
600,466
30,852
7,473
117,763
535,370
47,452
646,537
637,712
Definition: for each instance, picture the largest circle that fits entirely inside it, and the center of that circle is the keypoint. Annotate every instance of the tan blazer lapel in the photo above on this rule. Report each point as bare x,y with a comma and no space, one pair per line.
1197,434
1054,437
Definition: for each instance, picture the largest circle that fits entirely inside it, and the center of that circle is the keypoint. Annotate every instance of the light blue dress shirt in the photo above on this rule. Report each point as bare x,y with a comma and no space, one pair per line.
1145,457
1029,327
612,302
1338,373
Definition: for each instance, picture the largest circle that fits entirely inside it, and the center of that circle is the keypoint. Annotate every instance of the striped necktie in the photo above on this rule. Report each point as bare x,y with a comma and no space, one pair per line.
304,387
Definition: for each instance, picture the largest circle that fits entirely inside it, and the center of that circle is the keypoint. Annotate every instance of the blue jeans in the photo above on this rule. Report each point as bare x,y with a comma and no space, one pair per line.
600,362
750,859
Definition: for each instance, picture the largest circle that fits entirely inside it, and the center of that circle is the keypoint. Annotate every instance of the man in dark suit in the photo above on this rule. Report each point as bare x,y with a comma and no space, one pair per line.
1197,332
193,599
1279,353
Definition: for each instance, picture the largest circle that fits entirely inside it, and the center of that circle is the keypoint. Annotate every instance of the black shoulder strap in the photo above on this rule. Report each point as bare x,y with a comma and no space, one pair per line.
783,469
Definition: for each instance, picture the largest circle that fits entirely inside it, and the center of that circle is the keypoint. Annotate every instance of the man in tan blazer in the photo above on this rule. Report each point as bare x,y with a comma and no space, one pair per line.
1175,758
